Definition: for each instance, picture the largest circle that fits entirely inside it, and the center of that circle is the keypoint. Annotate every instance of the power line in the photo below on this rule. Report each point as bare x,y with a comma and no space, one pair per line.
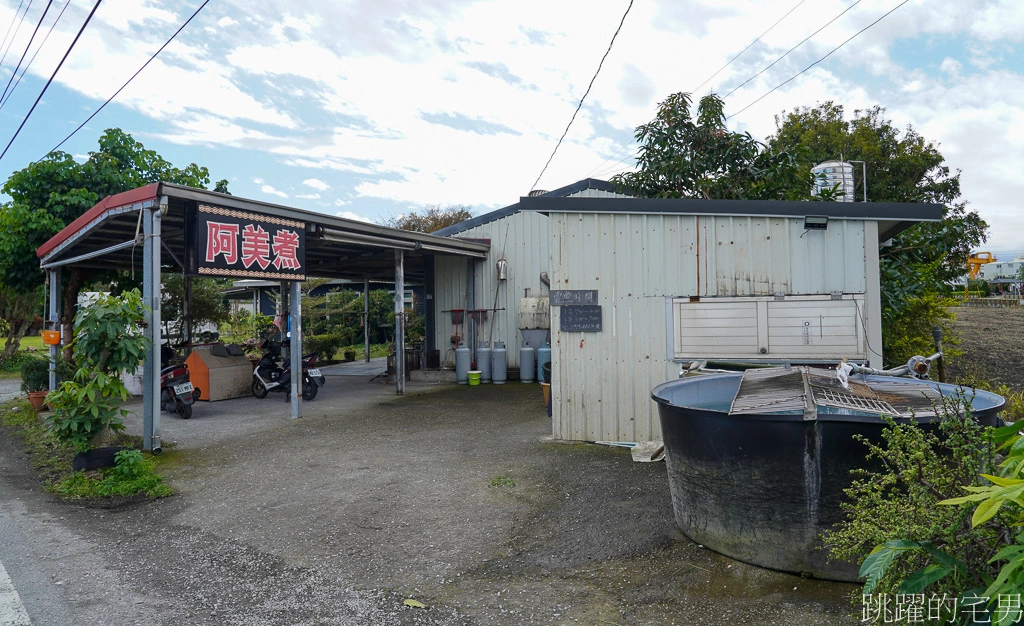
96,112
35,54
16,30
819,60
827,24
777,22
52,76
729,62
580,105
28,46
13,20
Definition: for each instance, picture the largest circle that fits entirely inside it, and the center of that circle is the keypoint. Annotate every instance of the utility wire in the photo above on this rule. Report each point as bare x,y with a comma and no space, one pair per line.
52,76
827,24
729,62
28,46
706,80
15,35
35,54
580,105
819,60
139,71
13,20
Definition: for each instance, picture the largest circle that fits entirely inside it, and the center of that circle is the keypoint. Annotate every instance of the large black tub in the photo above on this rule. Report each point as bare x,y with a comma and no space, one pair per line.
757,476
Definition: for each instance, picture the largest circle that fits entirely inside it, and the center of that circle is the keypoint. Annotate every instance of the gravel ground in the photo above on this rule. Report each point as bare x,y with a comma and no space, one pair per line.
992,341
451,497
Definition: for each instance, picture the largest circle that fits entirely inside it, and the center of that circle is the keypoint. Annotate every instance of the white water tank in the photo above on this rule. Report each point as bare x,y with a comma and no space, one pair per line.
831,173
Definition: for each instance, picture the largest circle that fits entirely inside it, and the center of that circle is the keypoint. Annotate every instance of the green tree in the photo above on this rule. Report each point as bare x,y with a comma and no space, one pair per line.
685,157
902,166
50,193
206,306
431,219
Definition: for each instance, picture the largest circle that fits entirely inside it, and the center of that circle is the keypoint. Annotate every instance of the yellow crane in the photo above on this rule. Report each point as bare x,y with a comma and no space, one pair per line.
975,261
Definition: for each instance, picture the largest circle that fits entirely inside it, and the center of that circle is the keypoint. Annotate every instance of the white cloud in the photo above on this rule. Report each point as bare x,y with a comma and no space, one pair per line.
349,215
300,88
258,181
270,190
316,183
308,196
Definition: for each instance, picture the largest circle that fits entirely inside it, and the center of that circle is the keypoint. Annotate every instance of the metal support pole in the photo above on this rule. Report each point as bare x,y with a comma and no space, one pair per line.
295,347
366,317
152,362
151,298
154,398
54,318
399,322
186,311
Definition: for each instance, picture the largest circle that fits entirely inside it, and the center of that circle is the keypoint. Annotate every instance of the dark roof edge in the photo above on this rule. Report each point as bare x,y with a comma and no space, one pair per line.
586,183
887,211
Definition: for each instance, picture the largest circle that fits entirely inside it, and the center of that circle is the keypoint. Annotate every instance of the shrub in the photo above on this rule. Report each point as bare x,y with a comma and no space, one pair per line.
896,509
324,346
35,375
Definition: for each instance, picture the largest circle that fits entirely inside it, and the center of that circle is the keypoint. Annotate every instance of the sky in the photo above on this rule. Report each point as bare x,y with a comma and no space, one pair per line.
371,108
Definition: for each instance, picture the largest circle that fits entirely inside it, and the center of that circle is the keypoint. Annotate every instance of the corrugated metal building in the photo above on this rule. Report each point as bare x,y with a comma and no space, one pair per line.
675,281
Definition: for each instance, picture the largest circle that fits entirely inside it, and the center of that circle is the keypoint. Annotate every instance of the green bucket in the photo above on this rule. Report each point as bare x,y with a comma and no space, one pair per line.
474,377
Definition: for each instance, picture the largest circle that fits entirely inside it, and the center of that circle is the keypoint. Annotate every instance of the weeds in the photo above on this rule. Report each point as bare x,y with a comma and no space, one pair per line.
503,481
133,475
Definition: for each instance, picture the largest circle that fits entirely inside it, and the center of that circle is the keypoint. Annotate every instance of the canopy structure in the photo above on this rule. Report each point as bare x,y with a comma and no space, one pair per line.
164,227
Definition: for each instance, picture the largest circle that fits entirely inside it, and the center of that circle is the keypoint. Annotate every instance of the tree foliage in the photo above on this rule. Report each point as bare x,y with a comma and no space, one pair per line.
902,166
431,219
682,156
50,193
108,342
206,306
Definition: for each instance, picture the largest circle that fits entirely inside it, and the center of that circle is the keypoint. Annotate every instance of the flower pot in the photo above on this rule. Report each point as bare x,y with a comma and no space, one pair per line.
38,399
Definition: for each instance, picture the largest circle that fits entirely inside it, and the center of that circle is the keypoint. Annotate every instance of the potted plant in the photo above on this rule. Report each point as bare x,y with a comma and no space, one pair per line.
35,380
251,347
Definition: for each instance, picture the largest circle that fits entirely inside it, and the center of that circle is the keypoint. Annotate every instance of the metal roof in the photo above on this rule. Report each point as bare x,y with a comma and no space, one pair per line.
105,236
561,192
892,217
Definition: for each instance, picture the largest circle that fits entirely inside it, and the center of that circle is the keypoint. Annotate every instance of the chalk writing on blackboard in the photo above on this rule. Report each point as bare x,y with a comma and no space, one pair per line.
559,297
580,318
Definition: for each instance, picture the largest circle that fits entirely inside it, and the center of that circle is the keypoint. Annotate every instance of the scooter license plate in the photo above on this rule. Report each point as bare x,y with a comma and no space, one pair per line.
314,373
182,389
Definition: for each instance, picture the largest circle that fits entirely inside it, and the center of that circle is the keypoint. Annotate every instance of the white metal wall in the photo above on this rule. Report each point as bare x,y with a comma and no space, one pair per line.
522,240
602,381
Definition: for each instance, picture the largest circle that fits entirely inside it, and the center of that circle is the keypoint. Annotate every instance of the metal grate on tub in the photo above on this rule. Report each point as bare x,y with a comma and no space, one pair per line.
769,389
780,389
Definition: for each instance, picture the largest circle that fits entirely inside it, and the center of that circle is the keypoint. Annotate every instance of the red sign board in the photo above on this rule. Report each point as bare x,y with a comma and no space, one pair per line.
244,244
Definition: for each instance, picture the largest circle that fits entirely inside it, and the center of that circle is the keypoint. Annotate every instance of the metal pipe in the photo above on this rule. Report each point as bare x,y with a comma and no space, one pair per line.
90,255
54,316
295,348
152,362
366,317
369,240
399,322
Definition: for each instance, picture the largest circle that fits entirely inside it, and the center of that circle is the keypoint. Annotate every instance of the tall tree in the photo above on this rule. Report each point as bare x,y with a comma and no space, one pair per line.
431,219
902,166
685,157
52,192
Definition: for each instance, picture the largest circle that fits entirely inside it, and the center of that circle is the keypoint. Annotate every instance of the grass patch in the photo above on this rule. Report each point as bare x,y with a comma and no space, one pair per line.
134,474
503,481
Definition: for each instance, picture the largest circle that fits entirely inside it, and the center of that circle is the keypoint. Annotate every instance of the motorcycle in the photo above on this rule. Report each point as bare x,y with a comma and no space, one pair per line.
269,376
177,394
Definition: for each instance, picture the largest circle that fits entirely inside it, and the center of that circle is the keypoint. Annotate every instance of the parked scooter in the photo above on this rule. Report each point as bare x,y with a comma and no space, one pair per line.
269,376
177,394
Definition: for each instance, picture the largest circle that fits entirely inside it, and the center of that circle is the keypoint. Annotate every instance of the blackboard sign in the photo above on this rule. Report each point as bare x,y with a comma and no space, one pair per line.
584,318
559,297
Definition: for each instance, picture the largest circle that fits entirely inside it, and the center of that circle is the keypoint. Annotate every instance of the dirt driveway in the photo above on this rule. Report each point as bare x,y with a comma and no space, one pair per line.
449,497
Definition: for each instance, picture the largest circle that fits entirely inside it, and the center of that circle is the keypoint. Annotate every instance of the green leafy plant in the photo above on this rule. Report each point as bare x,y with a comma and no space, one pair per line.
108,342
131,475
895,527
503,481
35,375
